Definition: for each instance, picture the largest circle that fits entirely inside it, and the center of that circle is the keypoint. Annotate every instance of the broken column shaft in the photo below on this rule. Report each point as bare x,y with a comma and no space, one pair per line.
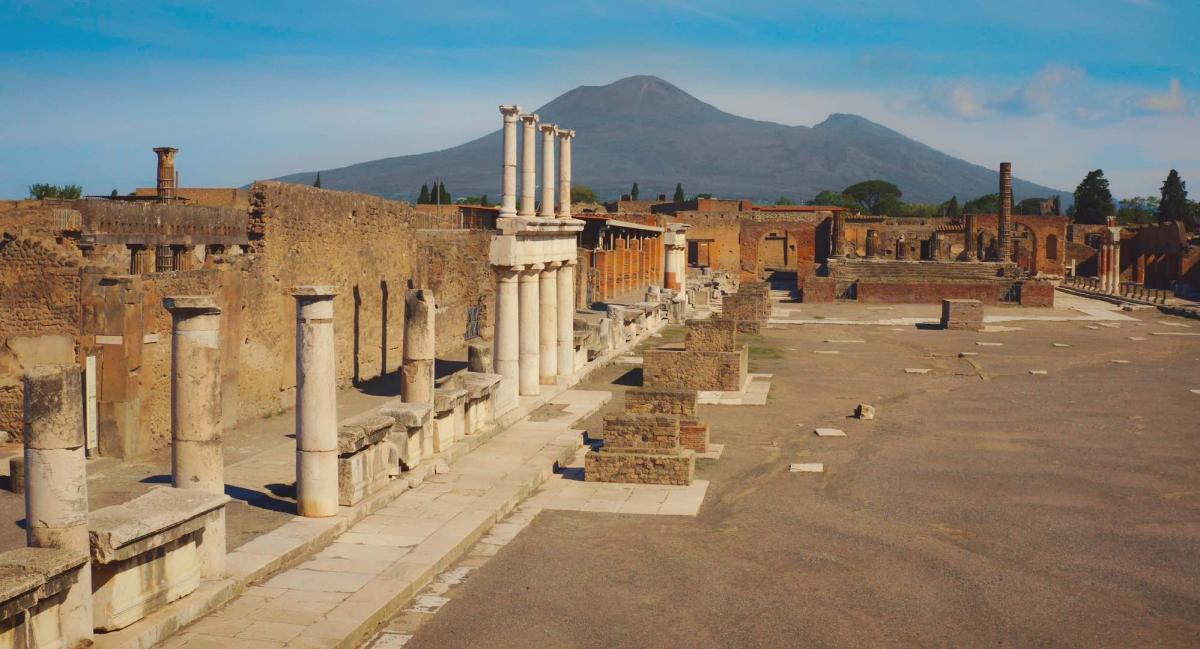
316,403
197,453
419,342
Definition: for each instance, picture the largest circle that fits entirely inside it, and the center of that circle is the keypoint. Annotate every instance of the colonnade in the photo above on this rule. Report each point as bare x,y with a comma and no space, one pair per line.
627,263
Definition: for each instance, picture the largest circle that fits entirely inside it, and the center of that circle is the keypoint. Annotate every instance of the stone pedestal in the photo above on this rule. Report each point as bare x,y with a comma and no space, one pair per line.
316,403
449,417
413,424
197,452
641,449
530,339
548,324
56,498
34,586
962,314
417,372
367,459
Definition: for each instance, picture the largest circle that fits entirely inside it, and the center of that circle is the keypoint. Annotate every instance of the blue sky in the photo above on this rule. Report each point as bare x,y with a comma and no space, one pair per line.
258,89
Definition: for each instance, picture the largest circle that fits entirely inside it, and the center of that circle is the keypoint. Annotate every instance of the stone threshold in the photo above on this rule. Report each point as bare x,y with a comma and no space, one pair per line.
301,537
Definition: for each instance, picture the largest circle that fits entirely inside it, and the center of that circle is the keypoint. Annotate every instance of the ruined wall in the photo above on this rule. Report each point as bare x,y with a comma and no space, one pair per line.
722,230
911,292
694,370
453,263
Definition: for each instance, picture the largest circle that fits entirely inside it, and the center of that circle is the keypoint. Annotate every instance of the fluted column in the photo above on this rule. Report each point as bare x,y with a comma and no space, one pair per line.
566,318
549,131
529,340
529,165
1003,221
197,453
564,173
505,350
508,194
316,403
548,323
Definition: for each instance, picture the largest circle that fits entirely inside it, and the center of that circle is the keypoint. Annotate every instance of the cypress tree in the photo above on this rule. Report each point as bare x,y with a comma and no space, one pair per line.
633,193
424,197
1173,206
317,184
1093,201
679,197
952,208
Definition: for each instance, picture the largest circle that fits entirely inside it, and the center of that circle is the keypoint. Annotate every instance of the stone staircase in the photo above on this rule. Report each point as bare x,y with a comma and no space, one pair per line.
848,272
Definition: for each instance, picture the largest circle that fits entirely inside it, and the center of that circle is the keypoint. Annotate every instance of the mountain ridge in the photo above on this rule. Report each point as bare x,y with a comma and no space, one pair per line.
644,129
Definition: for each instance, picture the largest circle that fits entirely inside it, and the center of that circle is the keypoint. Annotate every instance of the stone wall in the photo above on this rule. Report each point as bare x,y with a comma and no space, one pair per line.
714,335
695,370
663,401
927,292
818,289
1037,293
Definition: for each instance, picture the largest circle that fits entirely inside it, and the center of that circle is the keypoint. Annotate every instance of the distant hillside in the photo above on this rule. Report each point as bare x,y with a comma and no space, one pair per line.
645,130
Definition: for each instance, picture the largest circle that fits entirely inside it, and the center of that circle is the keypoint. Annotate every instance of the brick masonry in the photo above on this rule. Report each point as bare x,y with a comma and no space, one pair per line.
962,314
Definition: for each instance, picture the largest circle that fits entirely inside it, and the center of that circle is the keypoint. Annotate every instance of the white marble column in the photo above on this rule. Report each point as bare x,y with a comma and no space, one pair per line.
508,194
316,403
56,494
566,318
549,131
505,349
1115,260
529,165
548,323
564,173
529,339
197,453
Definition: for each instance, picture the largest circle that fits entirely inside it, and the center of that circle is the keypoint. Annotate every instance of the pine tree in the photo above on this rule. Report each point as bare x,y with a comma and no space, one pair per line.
952,208
443,195
1093,201
424,197
633,193
1173,206
679,197
317,184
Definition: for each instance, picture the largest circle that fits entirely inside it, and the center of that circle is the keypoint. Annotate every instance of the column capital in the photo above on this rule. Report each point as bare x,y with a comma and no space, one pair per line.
530,118
186,306
566,133
549,129
552,265
533,268
315,291
567,263
510,111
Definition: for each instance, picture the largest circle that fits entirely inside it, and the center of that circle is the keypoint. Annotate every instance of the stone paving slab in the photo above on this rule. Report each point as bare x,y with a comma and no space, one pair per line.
753,393
568,491
337,596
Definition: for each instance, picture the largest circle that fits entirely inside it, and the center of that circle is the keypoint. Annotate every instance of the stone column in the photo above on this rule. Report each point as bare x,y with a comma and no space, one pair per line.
935,242
837,235
530,341
872,244
566,318
529,165
139,260
316,403
1102,263
549,131
56,497
969,240
508,194
505,354
564,173
165,188
417,372
197,453
1003,225
548,323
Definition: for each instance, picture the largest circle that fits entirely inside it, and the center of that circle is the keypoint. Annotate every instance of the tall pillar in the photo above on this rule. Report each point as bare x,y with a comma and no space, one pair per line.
837,235
1003,225
165,188
564,173
508,194
505,355
197,453
969,238
530,341
549,131
316,403
566,318
417,371
548,323
56,498
529,165
872,244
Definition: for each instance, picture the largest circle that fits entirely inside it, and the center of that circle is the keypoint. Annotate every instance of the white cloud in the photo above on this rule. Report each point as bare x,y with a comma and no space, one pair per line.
1170,103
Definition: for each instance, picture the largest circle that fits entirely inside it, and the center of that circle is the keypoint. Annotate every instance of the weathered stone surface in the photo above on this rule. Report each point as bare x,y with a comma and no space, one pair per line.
480,385
447,399
638,431
669,401
713,335
408,415
479,357
695,370
962,314
152,519
864,411
640,468
53,407
359,433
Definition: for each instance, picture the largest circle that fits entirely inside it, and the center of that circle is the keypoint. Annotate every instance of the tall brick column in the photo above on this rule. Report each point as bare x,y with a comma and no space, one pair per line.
837,235
1003,223
969,238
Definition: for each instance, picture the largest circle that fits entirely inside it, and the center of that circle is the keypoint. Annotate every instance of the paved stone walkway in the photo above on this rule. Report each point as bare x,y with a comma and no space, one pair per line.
337,596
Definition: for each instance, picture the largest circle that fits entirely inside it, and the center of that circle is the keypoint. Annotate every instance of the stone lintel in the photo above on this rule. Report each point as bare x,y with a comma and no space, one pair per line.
315,290
192,304
149,521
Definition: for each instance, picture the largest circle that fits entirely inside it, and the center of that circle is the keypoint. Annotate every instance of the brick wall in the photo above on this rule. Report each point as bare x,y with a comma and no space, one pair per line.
1034,293
661,401
695,370
818,289
926,292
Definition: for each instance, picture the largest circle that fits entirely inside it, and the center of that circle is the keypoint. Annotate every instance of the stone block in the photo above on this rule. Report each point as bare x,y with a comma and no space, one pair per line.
639,431
962,314
640,468
818,290
864,411
34,587
713,335
668,401
695,370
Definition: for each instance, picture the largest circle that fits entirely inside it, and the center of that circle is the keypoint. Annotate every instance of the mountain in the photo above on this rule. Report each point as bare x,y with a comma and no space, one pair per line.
645,130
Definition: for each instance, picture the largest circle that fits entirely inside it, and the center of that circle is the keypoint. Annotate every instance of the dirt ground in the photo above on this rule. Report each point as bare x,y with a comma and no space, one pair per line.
985,506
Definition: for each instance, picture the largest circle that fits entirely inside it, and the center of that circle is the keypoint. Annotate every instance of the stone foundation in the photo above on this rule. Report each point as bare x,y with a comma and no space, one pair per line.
367,460
962,314
818,290
642,449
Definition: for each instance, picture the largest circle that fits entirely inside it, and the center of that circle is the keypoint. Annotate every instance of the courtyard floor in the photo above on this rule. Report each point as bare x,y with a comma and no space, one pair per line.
985,505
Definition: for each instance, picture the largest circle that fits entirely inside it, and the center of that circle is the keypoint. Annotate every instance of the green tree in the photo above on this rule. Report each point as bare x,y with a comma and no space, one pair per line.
1137,210
1093,201
951,208
679,195
705,195
113,194
836,199
986,204
874,196
784,200
317,183
64,192
583,194
1029,207
1173,206
633,193
424,197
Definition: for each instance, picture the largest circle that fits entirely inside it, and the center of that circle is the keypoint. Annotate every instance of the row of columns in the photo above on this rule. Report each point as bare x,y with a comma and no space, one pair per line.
535,324
628,263
553,179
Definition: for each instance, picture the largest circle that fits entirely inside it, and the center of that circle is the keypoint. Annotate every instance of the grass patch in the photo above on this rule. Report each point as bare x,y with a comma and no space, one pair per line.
762,352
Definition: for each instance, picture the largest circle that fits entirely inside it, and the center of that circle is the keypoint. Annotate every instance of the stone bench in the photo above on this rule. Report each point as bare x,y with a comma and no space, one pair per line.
367,459
145,552
479,411
449,416
34,583
411,431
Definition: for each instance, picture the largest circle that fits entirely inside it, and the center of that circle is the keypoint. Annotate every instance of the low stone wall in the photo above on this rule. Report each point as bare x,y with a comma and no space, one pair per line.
1037,293
926,292
695,370
818,289
640,468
